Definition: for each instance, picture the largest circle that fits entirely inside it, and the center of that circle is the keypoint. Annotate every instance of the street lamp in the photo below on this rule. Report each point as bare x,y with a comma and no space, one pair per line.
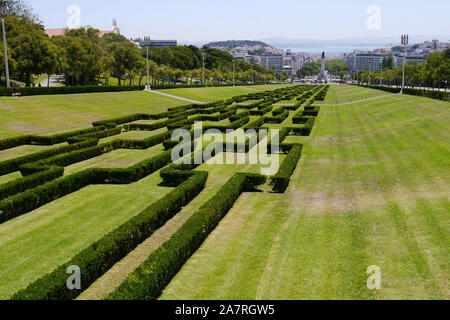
4,13
381,69
203,59
234,76
405,41
253,76
147,43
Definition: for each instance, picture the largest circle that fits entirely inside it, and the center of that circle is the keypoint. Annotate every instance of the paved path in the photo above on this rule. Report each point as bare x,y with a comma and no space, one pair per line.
249,88
55,80
176,97
346,103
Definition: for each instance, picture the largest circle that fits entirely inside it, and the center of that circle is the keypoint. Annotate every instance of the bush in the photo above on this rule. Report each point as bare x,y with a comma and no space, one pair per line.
14,142
112,123
30,91
256,124
99,257
240,116
281,180
278,119
439,95
261,112
23,184
95,135
67,159
148,280
311,111
152,126
13,165
232,126
34,198
278,111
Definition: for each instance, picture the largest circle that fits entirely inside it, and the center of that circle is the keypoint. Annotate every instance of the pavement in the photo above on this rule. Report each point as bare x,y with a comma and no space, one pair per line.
175,97
55,81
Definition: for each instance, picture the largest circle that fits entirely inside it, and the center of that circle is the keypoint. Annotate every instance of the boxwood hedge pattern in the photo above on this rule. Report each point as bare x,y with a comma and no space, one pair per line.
43,182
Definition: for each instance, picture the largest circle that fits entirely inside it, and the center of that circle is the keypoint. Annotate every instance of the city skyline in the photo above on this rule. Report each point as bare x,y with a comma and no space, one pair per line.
255,20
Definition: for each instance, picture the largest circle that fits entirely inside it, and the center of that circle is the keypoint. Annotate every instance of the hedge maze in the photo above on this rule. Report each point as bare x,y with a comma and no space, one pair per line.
291,110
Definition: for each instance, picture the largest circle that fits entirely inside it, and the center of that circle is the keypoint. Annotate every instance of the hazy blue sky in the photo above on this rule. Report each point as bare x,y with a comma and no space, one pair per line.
199,20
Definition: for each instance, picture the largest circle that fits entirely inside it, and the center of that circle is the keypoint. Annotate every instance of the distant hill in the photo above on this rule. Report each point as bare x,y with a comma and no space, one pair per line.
231,44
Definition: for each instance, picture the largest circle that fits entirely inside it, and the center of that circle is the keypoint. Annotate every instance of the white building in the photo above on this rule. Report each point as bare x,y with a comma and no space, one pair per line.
272,61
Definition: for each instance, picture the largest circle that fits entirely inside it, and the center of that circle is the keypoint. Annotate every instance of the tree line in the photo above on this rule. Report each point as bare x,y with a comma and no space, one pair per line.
87,59
433,73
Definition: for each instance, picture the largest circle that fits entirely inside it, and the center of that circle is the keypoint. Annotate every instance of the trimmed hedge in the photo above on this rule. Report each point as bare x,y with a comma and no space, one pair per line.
112,123
279,111
99,257
280,181
67,159
256,124
13,165
96,135
278,119
44,140
261,112
23,184
34,198
31,91
438,95
311,111
148,280
61,137
14,142
239,116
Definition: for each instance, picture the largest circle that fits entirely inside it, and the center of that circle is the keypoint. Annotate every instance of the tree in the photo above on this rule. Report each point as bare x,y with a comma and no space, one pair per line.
388,62
126,58
30,48
23,11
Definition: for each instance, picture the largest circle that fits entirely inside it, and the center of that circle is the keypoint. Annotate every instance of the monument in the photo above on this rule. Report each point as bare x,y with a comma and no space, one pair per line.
115,28
323,75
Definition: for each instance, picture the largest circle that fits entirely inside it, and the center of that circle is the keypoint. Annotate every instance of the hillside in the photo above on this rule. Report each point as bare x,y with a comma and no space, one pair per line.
231,44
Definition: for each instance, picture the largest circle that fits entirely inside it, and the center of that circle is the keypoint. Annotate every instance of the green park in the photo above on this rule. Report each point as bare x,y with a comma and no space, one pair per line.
334,185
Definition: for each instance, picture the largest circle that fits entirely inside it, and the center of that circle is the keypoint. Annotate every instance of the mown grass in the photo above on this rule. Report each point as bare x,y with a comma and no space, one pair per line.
372,188
220,93
344,93
34,244
60,113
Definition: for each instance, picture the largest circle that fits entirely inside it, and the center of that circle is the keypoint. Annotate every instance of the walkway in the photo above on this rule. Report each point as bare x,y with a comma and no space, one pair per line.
176,97
55,81
351,102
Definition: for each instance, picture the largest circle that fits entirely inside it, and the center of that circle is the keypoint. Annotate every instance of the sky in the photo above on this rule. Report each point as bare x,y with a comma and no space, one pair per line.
208,20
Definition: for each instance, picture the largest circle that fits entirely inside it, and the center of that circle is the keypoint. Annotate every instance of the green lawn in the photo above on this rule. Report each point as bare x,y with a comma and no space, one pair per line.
59,113
339,94
35,243
372,188
219,93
